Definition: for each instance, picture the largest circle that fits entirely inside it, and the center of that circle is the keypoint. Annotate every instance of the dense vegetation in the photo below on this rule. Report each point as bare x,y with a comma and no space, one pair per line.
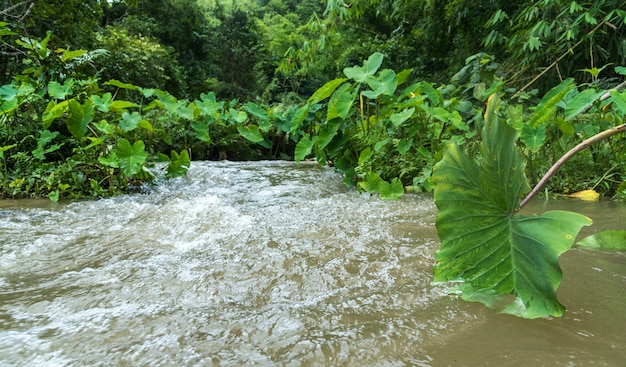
99,97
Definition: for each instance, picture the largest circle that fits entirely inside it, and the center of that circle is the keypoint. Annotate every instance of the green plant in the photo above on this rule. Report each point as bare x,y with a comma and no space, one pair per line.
489,252
380,137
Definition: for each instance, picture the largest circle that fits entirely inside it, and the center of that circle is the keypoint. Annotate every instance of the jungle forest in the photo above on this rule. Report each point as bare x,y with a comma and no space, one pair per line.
96,94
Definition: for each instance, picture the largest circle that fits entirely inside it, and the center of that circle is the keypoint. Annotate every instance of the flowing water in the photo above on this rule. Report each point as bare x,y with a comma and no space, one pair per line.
275,264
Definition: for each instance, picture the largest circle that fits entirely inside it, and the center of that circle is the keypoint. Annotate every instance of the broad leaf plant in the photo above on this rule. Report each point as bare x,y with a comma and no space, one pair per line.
489,252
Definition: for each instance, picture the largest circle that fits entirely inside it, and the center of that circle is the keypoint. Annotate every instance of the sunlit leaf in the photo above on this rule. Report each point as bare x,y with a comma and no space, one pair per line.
118,84
385,83
238,116
122,106
605,240
391,191
507,261
587,195
619,102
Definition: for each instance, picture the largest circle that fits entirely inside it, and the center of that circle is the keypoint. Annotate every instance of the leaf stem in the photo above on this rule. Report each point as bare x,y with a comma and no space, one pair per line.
594,139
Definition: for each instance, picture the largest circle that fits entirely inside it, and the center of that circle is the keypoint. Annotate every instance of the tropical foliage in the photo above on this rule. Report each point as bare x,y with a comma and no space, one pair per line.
99,98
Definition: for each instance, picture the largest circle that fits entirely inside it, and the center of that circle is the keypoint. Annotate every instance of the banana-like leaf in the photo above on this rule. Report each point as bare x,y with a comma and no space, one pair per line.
506,261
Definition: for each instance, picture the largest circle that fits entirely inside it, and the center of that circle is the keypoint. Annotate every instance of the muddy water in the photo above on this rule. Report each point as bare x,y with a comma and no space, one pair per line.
275,264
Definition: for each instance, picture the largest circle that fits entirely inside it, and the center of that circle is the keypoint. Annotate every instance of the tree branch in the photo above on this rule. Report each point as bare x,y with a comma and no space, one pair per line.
594,139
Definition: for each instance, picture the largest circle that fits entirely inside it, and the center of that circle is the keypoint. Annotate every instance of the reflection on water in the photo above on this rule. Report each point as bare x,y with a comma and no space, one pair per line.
274,263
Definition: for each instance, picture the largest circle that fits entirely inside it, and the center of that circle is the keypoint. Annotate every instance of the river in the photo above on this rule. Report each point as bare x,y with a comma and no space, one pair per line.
276,264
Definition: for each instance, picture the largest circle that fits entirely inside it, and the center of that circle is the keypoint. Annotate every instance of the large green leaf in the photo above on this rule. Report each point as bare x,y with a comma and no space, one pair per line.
548,104
304,147
80,116
581,102
340,103
506,261
533,137
130,157
369,68
251,132
326,90
58,91
386,83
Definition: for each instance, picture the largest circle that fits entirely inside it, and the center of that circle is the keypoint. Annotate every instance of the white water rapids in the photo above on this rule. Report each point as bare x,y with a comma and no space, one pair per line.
270,264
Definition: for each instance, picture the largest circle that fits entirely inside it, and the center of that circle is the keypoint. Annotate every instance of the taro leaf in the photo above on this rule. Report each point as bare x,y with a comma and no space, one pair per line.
80,116
256,110
304,147
619,102
369,68
121,106
130,157
391,191
118,84
52,112
581,103
506,261
605,240
58,91
208,104
534,137
129,121
45,137
372,183
340,103
387,191
327,133
548,104
238,116
187,112
201,131
298,118
102,103
169,102
8,92
251,132
398,118
404,145
386,83
326,90
179,164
